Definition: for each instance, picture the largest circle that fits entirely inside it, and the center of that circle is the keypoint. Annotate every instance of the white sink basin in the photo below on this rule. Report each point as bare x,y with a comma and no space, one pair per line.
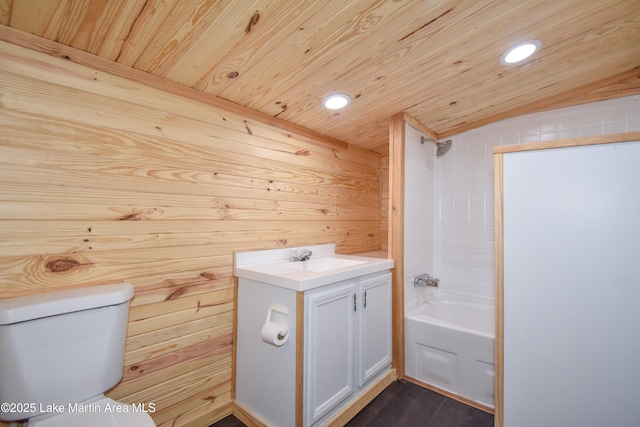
321,269
327,264
319,265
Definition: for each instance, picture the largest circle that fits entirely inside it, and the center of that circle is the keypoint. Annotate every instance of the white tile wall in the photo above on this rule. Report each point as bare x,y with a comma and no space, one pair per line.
420,209
449,220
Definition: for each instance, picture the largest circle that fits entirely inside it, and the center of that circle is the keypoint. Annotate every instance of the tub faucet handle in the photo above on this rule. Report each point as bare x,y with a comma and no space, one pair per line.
425,280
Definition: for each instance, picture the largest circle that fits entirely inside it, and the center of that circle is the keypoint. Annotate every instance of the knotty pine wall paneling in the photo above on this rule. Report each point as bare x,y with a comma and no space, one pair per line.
105,179
384,202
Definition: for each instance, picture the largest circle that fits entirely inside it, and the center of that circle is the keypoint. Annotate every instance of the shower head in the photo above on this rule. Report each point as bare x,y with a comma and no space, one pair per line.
443,147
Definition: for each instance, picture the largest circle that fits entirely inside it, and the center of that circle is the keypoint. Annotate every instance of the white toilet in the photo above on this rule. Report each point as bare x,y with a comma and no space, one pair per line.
60,351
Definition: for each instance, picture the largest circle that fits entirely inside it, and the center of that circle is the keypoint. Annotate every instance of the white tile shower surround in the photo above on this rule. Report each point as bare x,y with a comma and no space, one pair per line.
449,215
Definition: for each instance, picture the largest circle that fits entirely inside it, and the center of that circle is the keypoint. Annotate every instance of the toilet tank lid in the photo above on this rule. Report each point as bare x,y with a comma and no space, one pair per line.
30,307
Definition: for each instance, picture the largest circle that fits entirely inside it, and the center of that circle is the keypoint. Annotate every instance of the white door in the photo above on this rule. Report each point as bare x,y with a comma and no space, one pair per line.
329,348
572,286
374,327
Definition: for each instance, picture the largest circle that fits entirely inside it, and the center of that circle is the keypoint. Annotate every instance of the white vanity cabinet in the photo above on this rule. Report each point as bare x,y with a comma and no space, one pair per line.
329,348
374,327
337,357
348,340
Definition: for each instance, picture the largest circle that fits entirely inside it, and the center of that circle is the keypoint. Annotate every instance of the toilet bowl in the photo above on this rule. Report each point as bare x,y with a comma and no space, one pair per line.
60,352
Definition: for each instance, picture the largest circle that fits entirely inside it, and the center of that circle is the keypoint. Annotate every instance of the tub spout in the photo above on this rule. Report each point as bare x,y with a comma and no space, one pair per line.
425,280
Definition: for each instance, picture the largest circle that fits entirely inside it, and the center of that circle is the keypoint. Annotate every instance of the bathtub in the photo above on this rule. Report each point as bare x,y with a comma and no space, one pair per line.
449,344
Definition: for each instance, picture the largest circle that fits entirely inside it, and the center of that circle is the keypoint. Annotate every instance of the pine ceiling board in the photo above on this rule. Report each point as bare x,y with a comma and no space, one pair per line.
279,40
81,17
243,26
452,81
449,88
345,42
178,29
399,76
590,39
503,82
386,79
372,133
291,50
5,11
371,136
550,73
181,41
42,18
212,42
152,23
99,26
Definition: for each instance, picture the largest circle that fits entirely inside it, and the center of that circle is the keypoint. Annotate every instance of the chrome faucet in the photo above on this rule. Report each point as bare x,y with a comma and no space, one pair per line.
304,255
425,280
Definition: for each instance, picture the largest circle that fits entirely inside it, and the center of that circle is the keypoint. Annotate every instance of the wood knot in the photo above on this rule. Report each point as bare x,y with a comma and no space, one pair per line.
254,20
303,152
62,264
246,126
130,217
175,294
208,276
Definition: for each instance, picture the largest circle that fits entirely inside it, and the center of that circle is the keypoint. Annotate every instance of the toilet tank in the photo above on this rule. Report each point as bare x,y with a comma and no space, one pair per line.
61,347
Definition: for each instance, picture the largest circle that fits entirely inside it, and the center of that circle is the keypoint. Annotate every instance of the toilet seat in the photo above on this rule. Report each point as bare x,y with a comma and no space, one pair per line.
103,412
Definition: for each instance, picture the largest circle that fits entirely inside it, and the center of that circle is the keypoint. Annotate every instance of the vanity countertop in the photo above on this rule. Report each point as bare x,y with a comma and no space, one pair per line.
324,267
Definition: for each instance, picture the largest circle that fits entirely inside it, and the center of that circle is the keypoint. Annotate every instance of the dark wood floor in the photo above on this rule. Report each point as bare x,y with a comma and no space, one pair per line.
404,404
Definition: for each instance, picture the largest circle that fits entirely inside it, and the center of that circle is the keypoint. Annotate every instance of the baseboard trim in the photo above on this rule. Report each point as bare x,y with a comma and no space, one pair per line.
453,396
247,416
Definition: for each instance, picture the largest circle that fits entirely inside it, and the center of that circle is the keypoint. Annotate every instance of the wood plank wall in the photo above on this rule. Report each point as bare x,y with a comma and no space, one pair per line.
104,179
384,202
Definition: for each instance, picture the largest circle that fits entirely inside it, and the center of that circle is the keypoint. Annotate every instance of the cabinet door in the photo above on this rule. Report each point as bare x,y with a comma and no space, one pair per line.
329,347
374,327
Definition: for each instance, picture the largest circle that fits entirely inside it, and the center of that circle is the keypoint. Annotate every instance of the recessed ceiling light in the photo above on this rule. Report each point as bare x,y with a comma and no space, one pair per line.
336,101
520,52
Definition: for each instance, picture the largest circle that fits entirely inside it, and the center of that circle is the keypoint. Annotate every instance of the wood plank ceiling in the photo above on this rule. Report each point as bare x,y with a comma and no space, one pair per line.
436,60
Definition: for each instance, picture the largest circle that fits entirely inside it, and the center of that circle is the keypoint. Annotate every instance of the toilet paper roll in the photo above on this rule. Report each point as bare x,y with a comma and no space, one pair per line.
274,333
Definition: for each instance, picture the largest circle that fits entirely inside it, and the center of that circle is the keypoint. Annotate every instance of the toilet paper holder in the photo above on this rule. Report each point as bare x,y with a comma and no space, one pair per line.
284,311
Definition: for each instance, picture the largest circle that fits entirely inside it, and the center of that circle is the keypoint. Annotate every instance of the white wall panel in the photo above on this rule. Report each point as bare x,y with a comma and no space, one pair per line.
572,286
